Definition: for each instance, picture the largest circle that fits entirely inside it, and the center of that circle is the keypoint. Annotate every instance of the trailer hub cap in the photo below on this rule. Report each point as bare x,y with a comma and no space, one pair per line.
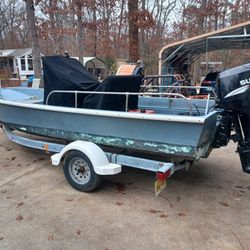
79,170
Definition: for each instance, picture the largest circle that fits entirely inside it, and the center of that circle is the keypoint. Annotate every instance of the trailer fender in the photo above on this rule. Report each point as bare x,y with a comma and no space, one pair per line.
95,154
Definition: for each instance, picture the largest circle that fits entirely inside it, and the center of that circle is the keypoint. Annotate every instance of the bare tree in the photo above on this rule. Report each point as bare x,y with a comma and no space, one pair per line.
133,30
80,36
95,28
11,24
109,28
30,10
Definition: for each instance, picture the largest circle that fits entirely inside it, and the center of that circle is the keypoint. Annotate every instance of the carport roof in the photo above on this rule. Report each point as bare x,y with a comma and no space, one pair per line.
187,51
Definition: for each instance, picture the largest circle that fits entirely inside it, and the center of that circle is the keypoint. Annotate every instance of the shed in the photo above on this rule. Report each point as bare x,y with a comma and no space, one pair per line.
94,65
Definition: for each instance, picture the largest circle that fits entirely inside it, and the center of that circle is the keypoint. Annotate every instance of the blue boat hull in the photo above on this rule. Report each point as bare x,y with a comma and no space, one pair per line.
178,136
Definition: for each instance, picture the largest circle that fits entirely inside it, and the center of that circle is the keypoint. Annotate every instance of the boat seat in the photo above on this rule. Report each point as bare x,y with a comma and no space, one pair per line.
128,83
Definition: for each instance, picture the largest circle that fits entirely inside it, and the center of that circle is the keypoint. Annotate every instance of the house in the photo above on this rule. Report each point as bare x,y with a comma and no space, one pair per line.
17,62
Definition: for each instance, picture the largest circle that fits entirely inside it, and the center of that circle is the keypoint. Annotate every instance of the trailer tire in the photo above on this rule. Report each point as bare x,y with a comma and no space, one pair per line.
79,172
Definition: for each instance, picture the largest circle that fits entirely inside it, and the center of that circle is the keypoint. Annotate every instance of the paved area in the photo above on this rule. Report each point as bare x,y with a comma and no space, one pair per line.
207,207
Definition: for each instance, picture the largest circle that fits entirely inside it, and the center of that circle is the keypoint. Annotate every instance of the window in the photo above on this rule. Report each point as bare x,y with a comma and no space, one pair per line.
23,63
30,62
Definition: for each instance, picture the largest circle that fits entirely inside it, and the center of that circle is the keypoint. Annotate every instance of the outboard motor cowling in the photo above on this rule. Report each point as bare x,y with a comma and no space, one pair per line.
233,95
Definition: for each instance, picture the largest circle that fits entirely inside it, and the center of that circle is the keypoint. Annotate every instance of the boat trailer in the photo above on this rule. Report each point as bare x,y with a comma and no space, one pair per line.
84,163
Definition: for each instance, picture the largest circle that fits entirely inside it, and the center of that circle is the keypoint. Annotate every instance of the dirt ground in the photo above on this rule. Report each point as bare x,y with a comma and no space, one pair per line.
207,207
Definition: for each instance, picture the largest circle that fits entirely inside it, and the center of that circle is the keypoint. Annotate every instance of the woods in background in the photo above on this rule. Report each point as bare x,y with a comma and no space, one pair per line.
113,29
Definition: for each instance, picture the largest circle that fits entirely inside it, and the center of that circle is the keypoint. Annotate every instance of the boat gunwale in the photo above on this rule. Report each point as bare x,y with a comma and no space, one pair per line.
108,113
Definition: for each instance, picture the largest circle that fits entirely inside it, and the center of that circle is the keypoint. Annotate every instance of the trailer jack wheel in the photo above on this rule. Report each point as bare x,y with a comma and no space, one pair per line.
79,172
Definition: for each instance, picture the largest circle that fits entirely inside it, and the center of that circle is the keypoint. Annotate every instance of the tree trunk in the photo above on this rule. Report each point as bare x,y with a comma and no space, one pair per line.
53,27
202,17
133,30
36,53
142,36
120,27
80,31
95,29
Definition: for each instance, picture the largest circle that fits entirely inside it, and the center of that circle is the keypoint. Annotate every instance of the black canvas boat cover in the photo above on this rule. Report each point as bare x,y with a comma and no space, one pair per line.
130,83
63,73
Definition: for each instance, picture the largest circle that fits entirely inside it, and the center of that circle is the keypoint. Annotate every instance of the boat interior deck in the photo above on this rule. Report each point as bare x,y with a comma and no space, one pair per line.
146,104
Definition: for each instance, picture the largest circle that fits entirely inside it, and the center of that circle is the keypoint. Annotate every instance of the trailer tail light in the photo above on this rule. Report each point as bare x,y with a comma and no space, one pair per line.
163,176
165,171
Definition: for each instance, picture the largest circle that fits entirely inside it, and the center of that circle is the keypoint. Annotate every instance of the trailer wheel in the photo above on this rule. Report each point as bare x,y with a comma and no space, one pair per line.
79,172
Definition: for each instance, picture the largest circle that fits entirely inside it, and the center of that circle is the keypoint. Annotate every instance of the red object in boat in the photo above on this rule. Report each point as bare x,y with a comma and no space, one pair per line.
146,111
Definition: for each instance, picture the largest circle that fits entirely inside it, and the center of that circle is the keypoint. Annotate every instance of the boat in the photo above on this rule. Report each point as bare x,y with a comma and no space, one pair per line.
169,130
111,116
175,126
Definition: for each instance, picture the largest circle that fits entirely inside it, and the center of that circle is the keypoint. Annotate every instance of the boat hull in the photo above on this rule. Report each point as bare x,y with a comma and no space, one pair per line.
179,136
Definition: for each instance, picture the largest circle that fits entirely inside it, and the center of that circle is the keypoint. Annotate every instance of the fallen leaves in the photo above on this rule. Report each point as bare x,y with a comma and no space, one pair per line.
224,204
181,214
78,232
163,216
19,218
19,204
119,203
120,187
153,211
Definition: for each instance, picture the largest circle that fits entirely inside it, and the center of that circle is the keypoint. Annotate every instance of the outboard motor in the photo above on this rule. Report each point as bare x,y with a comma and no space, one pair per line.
233,96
